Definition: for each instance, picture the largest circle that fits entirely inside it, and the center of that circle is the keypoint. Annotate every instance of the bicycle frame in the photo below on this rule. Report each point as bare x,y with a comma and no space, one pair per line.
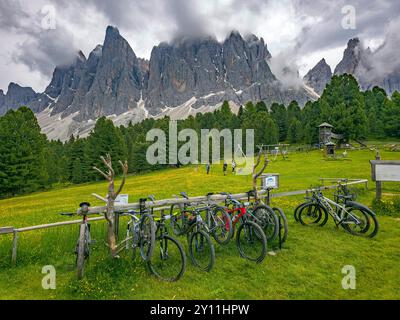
337,213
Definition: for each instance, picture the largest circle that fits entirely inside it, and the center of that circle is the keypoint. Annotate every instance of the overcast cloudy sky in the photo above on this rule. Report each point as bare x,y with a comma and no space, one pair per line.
300,31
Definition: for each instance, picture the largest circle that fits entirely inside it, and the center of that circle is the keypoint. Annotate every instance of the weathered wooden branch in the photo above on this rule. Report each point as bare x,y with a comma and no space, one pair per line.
110,200
256,174
124,167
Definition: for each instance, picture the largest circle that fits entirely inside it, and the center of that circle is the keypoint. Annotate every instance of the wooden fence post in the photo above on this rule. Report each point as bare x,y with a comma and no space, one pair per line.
378,183
14,248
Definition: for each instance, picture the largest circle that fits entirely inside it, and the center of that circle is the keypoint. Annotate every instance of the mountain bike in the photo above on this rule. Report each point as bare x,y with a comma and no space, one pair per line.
218,222
354,217
140,231
250,239
82,249
264,216
187,220
169,259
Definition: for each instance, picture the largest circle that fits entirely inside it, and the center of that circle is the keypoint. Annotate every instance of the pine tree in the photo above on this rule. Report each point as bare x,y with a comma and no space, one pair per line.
22,153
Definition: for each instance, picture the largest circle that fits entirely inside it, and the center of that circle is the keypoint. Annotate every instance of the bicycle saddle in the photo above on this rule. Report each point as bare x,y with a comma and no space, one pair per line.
184,194
210,194
87,204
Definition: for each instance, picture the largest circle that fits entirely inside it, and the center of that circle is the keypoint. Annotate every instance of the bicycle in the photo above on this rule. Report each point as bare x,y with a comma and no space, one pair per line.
187,220
169,259
354,217
250,240
264,216
82,249
218,222
140,234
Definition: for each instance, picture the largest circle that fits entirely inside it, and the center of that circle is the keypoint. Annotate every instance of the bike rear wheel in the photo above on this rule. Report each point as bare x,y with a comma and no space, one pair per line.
169,259
268,220
360,222
178,220
221,226
283,224
251,242
201,250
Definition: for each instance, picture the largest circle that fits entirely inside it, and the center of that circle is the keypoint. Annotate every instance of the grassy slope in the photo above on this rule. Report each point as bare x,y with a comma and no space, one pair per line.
309,266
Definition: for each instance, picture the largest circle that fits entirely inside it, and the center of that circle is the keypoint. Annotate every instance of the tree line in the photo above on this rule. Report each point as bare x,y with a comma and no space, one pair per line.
30,162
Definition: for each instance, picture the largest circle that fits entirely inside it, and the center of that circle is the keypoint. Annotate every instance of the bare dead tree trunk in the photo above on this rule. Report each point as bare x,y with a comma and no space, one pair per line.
111,196
256,174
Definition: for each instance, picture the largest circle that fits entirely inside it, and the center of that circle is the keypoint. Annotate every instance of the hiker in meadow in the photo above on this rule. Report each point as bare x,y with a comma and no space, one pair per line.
208,167
225,168
233,166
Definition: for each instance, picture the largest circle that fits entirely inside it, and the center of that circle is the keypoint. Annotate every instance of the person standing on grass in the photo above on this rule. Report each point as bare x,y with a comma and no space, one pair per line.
225,168
208,168
233,166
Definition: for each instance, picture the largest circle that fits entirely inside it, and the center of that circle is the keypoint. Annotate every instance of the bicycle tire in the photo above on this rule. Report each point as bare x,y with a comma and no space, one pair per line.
166,242
369,214
147,236
296,210
225,226
322,215
194,239
268,220
177,221
254,231
284,224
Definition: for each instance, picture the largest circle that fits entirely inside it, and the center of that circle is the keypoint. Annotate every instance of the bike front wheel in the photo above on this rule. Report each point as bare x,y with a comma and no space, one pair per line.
147,237
201,250
312,214
251,242
82,251
169,259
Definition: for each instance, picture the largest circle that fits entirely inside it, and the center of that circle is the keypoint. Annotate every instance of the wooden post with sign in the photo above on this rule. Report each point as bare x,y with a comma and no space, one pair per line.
384,170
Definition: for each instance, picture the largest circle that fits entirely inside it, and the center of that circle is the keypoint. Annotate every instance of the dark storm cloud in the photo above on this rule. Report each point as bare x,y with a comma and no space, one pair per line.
39,49
371,20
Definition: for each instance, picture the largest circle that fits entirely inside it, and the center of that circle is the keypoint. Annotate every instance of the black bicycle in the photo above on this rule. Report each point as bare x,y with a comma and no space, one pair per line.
186,220
218,221
169,259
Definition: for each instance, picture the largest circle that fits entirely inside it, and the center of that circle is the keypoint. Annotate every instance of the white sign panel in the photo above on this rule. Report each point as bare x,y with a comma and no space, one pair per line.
387,172
122,199
270,181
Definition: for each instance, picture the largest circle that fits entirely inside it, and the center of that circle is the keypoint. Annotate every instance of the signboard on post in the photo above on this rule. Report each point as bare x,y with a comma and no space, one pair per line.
122,199
384,170
270,181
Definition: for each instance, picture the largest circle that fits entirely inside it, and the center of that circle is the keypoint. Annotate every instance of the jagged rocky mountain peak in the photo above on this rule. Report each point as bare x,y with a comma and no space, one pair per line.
319,76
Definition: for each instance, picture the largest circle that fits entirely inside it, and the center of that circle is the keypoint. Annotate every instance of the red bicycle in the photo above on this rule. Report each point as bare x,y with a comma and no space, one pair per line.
250,238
